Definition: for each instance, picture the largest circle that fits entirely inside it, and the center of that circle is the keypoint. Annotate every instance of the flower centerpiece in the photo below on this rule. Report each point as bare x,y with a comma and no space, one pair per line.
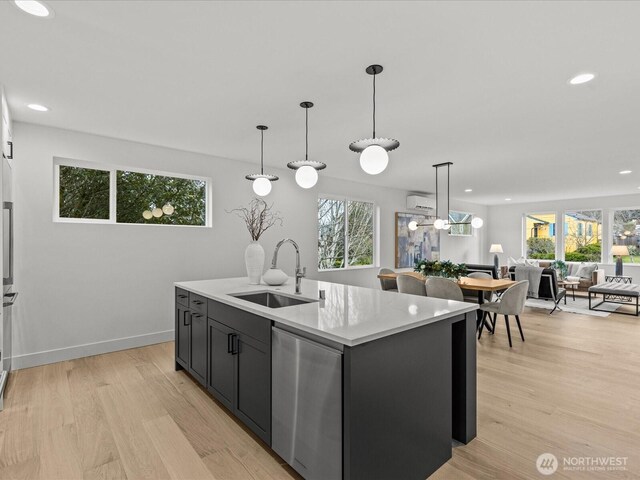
258,218
437,268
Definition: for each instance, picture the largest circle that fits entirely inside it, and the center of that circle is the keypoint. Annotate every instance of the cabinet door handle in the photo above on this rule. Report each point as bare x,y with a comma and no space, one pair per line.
229,342
187,323
198,302
197,315
11,151
235,344
182,296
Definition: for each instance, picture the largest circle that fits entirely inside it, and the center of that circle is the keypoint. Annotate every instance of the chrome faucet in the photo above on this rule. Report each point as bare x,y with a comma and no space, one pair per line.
299,272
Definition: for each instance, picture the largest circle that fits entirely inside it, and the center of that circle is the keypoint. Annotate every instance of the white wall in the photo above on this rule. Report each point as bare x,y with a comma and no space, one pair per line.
505,225
90,288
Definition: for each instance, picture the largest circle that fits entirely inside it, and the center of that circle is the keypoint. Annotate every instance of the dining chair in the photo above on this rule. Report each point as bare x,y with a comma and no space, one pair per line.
438,287
388,284
471,296
412,285
511,303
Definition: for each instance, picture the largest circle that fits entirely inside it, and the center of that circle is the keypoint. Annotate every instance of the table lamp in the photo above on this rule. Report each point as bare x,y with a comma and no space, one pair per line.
496,248
619,251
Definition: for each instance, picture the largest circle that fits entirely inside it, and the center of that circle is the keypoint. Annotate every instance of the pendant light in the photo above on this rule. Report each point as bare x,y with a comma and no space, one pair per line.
373,151
306,170
261,181
445,224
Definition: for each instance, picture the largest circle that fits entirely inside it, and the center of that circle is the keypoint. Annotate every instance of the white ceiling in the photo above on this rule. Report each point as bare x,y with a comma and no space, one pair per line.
481,84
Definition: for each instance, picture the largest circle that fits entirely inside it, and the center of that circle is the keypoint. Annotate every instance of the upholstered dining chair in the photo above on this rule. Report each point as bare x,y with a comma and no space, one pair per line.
471,296
388,284
412,285
438,287
511,303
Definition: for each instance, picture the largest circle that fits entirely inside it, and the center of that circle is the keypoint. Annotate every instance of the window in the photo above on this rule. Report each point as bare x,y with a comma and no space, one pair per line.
626,231
583,236
89,193
346,231
83,193
540,235
181,200
456,217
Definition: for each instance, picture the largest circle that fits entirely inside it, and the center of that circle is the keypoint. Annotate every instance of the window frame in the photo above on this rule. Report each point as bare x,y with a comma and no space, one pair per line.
471,216
565,231
113,169
612,217
376,233
525,249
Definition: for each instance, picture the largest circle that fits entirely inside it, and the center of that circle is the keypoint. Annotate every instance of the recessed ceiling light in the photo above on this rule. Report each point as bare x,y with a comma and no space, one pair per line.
468,190
624,172
507,199
37,107
32,7
582,78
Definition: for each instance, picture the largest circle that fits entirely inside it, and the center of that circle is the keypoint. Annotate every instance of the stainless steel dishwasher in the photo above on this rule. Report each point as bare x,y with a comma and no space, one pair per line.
306,427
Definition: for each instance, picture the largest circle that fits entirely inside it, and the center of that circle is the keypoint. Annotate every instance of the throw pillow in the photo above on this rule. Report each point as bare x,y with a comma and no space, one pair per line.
512,262
586,270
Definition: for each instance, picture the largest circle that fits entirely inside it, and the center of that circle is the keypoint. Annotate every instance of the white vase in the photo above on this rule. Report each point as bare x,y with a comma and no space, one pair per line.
254,261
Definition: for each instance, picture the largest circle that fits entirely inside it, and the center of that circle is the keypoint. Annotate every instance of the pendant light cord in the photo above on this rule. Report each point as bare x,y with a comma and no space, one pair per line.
374,105
261,152
436,192
306,134
448,191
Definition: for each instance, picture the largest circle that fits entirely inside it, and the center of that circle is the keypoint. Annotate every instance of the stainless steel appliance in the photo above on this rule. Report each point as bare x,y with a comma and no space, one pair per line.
306,423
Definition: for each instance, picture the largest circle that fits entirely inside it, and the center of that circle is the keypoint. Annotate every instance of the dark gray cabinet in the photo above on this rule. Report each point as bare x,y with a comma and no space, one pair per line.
182,336
191,334
240,365
198,347
221,363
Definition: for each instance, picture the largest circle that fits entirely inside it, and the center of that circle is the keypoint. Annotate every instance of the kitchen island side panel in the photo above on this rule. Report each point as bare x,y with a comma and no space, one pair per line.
398,404
464,376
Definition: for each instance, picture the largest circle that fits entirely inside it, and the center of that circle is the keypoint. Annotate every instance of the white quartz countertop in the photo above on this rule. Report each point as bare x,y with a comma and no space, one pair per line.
349,315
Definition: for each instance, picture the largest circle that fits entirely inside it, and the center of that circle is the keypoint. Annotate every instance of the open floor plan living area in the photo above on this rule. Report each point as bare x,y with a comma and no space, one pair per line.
320,240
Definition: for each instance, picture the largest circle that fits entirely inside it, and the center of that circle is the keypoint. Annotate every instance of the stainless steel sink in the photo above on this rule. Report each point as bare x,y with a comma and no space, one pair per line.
272,300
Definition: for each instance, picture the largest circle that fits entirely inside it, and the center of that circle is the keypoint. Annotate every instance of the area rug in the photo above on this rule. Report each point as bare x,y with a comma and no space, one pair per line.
580,305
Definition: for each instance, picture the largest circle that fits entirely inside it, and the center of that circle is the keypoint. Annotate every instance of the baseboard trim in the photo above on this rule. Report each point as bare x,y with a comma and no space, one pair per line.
89,349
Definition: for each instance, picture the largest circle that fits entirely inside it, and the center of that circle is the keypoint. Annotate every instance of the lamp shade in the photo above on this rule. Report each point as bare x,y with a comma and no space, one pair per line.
496,248
619,250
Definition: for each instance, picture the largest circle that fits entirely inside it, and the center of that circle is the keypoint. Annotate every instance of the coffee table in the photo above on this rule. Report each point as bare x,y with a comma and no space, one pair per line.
569,285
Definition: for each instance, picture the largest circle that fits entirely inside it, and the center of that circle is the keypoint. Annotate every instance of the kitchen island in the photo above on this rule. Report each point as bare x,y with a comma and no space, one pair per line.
361,384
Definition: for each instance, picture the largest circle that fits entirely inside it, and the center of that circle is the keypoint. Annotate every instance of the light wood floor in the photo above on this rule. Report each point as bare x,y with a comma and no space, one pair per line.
573,389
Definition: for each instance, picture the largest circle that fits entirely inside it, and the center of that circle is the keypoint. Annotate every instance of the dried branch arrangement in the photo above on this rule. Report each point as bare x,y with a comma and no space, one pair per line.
258,217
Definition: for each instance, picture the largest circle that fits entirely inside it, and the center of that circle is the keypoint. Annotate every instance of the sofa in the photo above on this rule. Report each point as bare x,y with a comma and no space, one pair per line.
596,277
490,269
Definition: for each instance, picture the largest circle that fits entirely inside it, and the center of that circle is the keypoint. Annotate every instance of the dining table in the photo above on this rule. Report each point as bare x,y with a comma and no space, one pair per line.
479,285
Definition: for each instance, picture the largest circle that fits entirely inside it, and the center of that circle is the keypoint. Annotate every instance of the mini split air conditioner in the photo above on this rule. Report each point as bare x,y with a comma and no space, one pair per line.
419,202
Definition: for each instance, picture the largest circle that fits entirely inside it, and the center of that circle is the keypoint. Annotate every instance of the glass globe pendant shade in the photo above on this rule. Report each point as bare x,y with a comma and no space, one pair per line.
446,226
262,186
168,209
374,159
413,225
477,222
147,215
307,176
157,212
438,224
